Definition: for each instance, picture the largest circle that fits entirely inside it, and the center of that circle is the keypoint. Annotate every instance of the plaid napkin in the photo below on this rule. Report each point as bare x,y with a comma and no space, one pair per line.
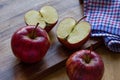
104,16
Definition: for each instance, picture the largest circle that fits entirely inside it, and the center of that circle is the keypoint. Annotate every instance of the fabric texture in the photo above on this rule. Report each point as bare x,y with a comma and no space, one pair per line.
104,17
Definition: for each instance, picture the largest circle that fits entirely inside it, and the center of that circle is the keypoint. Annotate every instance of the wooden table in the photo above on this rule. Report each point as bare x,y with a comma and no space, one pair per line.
12,18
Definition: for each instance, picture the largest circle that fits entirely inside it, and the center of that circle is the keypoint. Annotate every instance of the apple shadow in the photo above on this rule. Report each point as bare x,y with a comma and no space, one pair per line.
25,71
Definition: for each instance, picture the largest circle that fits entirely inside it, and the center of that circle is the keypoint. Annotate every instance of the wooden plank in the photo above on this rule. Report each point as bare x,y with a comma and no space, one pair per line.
12,18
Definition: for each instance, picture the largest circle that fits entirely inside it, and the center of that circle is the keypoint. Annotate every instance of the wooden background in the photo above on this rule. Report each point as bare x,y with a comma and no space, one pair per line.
12,18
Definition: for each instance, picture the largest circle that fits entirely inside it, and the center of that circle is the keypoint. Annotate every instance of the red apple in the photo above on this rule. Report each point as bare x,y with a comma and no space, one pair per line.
47,17
85,65
30,44
73,34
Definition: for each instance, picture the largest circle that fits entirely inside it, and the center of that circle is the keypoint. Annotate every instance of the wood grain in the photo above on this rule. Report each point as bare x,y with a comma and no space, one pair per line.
12,18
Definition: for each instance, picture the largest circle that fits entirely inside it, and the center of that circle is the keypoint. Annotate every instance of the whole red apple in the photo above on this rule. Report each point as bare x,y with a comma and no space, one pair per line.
30,44
85,65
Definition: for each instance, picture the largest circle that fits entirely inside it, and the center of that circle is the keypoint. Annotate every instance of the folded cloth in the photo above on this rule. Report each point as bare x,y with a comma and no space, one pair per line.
104,16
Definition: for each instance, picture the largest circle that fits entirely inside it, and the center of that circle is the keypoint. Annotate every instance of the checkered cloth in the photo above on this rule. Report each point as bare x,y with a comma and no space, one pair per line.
104,16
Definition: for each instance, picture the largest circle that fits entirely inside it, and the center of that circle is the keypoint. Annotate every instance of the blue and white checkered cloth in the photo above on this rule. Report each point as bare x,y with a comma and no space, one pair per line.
104,16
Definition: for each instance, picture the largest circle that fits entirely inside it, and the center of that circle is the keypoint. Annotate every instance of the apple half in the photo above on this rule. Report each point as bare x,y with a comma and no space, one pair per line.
73,34
47,17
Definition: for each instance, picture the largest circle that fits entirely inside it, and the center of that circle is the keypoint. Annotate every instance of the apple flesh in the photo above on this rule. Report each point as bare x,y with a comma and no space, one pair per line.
73,34
29,47
47,17
85,65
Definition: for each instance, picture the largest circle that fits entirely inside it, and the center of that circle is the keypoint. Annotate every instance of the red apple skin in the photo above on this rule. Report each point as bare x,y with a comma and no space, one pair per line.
27,49
49,27
73,46
78,69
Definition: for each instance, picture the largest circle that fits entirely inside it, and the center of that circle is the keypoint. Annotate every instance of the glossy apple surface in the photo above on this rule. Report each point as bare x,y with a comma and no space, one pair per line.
27,48
83,65
47,17
73,34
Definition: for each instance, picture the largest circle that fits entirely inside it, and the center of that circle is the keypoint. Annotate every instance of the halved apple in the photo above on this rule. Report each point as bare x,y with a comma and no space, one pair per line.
73,34
47,17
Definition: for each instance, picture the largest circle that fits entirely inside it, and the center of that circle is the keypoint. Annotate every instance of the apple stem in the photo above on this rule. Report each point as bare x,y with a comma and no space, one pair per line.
34,30
81,19
87,58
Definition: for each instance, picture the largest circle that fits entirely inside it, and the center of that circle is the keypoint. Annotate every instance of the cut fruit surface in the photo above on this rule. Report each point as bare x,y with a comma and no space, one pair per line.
81,30
68,29
65,27
73,34
33,17
47,17
49,14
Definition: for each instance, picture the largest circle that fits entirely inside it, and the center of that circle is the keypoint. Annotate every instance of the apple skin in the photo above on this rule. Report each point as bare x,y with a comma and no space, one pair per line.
78,69
27,49
49,27
76,45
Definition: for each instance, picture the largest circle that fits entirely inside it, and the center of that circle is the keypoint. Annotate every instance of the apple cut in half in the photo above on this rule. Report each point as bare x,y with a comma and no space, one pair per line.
73,34
47,17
